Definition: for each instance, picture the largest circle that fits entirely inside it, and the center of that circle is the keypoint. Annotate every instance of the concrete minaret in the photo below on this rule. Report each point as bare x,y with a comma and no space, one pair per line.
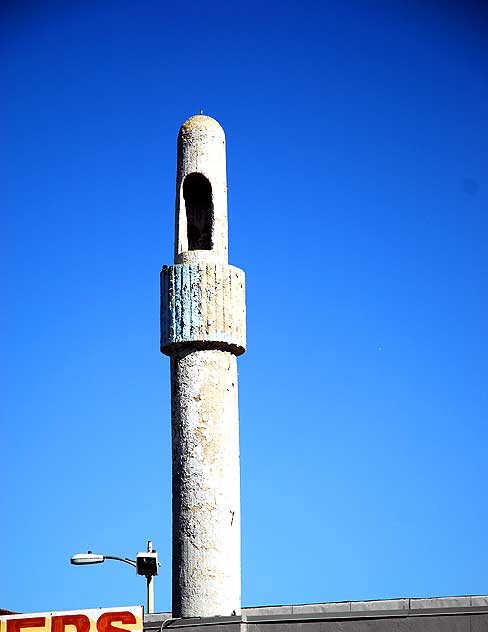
203,329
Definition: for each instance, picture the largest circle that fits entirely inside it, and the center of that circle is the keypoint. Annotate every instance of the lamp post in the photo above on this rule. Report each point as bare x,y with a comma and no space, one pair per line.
146,564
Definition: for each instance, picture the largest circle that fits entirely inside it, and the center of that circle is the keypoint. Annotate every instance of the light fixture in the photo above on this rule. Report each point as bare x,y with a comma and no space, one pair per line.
146,564
87,558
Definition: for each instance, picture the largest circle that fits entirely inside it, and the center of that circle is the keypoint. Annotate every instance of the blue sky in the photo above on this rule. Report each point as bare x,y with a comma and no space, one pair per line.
357,162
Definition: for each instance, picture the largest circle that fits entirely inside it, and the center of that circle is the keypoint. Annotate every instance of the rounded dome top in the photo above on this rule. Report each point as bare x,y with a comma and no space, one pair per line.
201,124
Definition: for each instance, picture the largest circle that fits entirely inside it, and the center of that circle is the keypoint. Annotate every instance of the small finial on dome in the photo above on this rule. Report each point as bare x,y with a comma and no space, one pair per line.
201,111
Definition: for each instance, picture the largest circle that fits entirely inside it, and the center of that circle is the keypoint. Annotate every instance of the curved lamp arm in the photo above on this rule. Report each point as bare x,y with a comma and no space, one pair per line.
120,559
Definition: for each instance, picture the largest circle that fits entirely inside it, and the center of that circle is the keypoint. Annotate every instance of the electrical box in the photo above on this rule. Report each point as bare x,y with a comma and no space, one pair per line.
147,563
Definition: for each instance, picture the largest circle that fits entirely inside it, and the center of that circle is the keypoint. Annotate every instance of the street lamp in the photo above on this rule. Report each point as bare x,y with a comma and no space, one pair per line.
146,564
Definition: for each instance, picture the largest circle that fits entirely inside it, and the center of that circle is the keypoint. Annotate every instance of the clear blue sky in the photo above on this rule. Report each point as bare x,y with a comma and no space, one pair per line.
357,169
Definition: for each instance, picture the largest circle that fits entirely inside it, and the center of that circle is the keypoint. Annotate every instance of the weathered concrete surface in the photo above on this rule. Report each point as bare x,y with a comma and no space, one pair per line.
203,303
203,329
201,149
206,486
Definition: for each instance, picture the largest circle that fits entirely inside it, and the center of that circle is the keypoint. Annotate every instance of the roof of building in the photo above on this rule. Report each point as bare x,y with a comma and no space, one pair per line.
436,614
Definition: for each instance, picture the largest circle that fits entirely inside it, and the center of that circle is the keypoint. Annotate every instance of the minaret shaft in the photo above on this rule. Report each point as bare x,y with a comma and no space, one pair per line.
203,329
206,490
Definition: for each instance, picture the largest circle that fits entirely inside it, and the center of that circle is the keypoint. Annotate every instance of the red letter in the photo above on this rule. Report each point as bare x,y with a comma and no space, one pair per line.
80,621
15,625
104,623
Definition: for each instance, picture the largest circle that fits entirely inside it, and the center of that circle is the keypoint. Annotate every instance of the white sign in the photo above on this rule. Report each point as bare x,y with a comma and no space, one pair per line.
125,619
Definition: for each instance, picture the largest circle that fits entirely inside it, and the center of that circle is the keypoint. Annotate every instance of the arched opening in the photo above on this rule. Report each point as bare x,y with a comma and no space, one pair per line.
197,193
